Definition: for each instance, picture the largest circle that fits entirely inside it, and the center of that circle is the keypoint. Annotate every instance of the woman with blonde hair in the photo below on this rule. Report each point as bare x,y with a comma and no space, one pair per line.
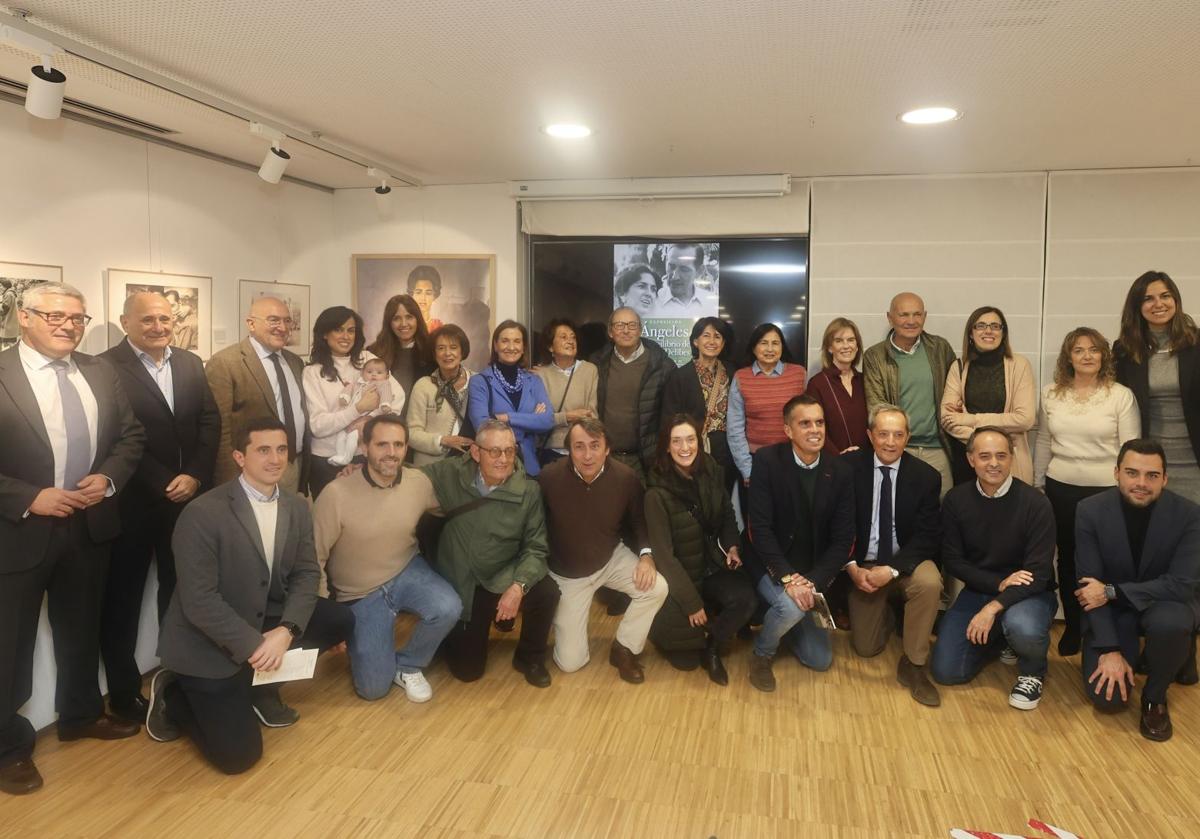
990,386
839,388
1085,417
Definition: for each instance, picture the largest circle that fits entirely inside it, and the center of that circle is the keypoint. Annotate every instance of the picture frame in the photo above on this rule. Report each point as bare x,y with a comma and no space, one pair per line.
15,277
190,296
295,296
466,296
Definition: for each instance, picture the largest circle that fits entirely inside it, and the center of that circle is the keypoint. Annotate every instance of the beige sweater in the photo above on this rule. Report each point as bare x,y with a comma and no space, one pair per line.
1020,410
366,534
581,395
1078,442
427,425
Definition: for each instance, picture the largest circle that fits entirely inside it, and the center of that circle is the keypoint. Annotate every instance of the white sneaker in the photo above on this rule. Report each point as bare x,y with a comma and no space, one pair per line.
1026,693
415,686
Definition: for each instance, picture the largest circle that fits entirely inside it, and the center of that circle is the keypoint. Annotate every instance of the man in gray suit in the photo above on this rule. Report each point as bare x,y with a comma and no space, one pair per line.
246,592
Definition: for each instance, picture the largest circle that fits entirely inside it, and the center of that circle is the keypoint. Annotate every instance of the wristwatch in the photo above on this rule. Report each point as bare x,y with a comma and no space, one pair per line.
524,587
895,572
292,628
788,579
1110,591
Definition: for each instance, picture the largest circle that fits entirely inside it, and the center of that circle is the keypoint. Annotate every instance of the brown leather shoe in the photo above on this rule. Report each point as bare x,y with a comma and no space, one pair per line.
761,675
20,778
1156,721
916,679
627,664
104,728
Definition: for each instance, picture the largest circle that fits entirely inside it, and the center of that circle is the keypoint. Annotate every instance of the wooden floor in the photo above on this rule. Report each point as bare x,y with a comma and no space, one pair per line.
840,755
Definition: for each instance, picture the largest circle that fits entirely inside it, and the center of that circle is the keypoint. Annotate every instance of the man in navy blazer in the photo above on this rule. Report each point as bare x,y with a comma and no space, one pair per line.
70,443
171,398
1138,556
800,535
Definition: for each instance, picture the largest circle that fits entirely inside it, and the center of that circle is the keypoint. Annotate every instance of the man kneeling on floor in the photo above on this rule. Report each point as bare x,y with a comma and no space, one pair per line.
246,593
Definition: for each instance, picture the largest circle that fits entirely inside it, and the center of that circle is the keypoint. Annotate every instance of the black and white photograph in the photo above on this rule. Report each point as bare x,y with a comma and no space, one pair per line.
190,298
294,296
668,280
15,277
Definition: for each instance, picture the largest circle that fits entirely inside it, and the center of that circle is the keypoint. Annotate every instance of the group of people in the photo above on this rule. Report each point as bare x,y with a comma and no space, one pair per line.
469,498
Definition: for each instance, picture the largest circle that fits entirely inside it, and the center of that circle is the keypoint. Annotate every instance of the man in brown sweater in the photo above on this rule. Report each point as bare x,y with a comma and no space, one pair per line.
365,529
590,498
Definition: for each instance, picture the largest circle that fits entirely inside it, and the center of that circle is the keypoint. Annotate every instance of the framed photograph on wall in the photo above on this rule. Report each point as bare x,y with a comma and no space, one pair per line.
190,297
15,277
294,296
448,288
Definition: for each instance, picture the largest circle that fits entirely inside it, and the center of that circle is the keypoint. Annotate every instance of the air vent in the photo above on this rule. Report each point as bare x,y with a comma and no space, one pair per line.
94,111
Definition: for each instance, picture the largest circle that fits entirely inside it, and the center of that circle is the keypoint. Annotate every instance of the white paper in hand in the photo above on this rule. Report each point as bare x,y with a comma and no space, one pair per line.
297,664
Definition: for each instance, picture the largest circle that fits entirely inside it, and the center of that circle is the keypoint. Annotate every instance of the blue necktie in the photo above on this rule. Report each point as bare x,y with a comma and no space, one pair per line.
79,438
884,553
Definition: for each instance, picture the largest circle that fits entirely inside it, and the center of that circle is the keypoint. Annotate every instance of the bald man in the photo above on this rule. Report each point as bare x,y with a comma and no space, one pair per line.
258,378
908,368
171,399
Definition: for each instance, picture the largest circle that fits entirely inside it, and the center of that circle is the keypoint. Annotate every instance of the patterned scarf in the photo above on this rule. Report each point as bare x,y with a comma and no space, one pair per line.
714,385
446,390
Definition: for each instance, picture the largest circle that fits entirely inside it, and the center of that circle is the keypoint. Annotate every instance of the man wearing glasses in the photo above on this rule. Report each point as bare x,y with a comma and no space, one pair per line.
71,442
493,551
258,378
632,373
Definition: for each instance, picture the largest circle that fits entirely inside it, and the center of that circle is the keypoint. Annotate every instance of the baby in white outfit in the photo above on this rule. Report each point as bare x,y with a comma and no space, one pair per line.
374,372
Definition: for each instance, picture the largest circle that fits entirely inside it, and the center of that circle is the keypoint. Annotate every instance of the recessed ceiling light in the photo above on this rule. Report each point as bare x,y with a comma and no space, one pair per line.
568,130
929,116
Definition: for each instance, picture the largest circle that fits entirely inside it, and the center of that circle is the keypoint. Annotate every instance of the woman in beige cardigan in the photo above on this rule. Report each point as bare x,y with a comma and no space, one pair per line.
437,406
991,387
571,383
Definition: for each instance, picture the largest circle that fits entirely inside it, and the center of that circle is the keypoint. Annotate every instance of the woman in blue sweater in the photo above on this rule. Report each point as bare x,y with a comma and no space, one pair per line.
506,390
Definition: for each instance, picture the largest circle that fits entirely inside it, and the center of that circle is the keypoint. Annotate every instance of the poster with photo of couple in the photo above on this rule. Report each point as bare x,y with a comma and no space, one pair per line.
190,298
670,285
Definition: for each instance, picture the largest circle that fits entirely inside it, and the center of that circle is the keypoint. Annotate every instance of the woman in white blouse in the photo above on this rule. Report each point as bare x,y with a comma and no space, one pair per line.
1084,418
437,411
334,369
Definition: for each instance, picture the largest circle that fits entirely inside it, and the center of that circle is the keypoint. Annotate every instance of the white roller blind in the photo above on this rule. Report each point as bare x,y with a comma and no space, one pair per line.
785,215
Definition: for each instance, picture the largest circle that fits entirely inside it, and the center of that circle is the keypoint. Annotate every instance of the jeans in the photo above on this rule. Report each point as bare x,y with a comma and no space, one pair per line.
785,621
374,659
1025,626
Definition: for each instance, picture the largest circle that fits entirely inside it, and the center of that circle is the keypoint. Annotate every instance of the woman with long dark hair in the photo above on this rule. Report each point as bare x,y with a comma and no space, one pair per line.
701,390
689,518
507,391
1158,358
990,386
758,394
839,388
403,341
336,401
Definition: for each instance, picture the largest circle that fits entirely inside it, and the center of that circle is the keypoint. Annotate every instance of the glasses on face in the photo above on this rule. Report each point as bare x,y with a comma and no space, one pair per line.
274,321
625,326
498,453
59,318
988,327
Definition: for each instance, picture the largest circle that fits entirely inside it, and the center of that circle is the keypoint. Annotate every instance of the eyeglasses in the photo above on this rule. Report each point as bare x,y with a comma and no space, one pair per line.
625,326
274,321
497,453
59,318
988,327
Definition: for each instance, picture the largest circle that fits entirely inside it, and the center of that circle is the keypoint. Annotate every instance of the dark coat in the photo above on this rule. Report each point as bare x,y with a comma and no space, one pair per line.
774,508
27,461
1136,377
1170,566
658,366
917,515
183,441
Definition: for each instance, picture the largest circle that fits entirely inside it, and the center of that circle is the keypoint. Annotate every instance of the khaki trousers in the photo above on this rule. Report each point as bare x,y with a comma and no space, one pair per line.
936,457
872,621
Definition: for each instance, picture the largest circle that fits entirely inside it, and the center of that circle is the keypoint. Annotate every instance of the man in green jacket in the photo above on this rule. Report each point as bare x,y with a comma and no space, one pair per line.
908,368
493,551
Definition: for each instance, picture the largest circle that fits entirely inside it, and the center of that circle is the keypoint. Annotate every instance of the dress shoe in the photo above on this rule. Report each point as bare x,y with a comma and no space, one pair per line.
711,659
535,672
103,728
627,664
1156,721
131,708
158,723
761,675
20,778
270,708
916,679
685,660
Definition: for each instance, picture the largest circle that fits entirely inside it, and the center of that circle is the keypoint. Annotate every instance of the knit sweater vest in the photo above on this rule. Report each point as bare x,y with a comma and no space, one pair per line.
764,397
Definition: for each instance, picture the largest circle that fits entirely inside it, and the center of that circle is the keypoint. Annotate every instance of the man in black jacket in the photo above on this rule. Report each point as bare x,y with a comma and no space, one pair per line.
632,373
801,533
1138,556
896,545
171,398
998,538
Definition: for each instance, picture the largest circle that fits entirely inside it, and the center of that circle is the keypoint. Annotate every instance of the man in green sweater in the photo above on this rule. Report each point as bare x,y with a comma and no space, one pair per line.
493,551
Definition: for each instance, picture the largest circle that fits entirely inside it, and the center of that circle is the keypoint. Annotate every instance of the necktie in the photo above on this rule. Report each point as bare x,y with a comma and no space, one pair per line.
883,555
79,438
289,416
